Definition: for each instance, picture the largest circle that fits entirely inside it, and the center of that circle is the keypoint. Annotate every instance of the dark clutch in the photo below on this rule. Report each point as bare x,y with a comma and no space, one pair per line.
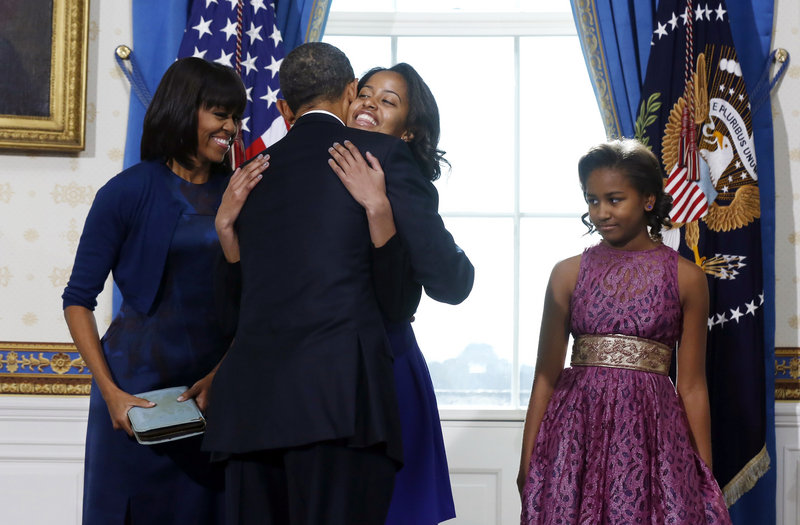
168,420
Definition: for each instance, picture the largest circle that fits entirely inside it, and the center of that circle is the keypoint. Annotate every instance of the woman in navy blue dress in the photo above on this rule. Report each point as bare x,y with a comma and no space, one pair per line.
152,226
396,101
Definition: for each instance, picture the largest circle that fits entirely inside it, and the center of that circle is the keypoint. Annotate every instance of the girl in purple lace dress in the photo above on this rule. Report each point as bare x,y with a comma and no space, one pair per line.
609,439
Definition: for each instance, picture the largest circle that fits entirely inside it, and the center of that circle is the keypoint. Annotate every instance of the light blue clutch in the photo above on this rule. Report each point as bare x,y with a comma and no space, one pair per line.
168,420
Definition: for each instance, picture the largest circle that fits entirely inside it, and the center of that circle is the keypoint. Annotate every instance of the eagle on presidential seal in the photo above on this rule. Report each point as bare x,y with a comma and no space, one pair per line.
724,194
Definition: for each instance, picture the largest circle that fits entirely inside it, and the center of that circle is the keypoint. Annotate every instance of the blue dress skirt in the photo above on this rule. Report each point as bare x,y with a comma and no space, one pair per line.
422,493
176,344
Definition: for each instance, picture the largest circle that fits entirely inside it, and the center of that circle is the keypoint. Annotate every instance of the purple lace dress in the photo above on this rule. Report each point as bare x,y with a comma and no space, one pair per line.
614,445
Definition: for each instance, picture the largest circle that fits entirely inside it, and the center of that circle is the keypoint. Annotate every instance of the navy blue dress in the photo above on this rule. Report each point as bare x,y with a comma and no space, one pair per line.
178,342
422,493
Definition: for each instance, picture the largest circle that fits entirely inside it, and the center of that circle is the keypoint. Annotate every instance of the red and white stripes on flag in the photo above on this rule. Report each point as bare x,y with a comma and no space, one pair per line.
689,203
243,35
688,200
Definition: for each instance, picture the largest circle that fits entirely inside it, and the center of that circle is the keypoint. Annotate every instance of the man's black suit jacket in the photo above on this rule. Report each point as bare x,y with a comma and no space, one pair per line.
310,361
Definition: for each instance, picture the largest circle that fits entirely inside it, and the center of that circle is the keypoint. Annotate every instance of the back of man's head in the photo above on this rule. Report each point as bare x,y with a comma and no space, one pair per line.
312,72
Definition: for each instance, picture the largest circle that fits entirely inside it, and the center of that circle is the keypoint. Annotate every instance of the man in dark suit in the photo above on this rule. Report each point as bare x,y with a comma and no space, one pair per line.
303,406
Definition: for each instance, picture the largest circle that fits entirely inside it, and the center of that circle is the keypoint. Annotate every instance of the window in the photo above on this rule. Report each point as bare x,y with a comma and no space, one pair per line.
517,111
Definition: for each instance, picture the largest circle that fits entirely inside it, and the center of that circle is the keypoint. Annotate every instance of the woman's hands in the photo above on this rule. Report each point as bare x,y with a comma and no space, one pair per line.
118,403
241,183
83,328
200,391
366,182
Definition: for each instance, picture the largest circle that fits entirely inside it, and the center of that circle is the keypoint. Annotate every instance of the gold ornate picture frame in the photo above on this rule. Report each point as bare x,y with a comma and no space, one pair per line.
43,83
42,369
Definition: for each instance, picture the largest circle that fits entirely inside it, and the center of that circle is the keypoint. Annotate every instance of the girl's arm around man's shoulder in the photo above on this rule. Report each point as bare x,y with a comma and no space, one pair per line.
439,264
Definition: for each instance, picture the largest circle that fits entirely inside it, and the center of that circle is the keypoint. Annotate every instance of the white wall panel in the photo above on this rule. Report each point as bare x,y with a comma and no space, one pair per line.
41,463
41,459
484,458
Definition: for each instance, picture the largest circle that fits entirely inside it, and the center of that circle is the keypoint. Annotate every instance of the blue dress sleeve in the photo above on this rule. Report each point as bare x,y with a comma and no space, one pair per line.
103,234
438,264
393,278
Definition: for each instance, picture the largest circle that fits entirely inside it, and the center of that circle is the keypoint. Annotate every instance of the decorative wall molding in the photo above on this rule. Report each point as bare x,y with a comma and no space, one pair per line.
787,374
43,369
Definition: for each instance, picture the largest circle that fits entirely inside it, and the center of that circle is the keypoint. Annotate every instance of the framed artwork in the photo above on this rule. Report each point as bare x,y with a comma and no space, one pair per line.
43,52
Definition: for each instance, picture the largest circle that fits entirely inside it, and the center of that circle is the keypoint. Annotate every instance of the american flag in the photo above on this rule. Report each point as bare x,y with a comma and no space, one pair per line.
709,150
689,202
243,35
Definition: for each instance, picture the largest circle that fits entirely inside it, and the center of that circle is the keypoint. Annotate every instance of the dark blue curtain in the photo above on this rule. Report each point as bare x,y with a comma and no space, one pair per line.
301,20
751,26
157,31
615,36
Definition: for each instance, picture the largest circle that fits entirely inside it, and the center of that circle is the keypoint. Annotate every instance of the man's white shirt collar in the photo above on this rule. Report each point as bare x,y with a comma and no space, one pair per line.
321,111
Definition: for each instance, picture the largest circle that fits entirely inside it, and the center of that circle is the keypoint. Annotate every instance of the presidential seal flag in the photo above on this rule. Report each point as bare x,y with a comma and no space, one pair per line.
243,35
695,116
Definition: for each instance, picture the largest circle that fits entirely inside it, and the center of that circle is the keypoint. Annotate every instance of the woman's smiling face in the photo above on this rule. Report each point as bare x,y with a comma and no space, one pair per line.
216,127
381,105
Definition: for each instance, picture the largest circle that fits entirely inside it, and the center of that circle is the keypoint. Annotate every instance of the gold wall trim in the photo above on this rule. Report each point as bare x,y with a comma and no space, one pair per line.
29,368
64,128
787,374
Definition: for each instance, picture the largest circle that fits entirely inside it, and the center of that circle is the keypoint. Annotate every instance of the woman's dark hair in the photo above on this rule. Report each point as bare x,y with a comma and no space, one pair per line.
170,124
422,121
635,161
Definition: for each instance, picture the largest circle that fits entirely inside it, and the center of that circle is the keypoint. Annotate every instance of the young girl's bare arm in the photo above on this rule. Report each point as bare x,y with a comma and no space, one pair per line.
553,338
691,378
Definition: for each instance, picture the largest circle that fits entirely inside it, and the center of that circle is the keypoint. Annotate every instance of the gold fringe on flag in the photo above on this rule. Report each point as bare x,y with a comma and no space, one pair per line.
747,477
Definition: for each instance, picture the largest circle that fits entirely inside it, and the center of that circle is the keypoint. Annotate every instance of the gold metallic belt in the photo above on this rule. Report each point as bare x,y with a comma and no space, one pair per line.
621,351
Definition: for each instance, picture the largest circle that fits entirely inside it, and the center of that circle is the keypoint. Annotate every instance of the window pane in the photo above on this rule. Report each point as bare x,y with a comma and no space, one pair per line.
364,52
543,242
477,115
560,122
469,347
452,5
363,5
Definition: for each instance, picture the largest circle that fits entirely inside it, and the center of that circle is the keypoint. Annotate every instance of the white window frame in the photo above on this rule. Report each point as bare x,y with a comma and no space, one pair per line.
457,24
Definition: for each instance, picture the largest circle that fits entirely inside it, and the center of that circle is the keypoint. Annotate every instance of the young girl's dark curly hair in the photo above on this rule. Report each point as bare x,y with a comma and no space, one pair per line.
633,159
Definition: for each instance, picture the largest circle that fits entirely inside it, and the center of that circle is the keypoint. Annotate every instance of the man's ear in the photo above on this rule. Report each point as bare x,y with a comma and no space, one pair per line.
285,111
347,98
351,91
